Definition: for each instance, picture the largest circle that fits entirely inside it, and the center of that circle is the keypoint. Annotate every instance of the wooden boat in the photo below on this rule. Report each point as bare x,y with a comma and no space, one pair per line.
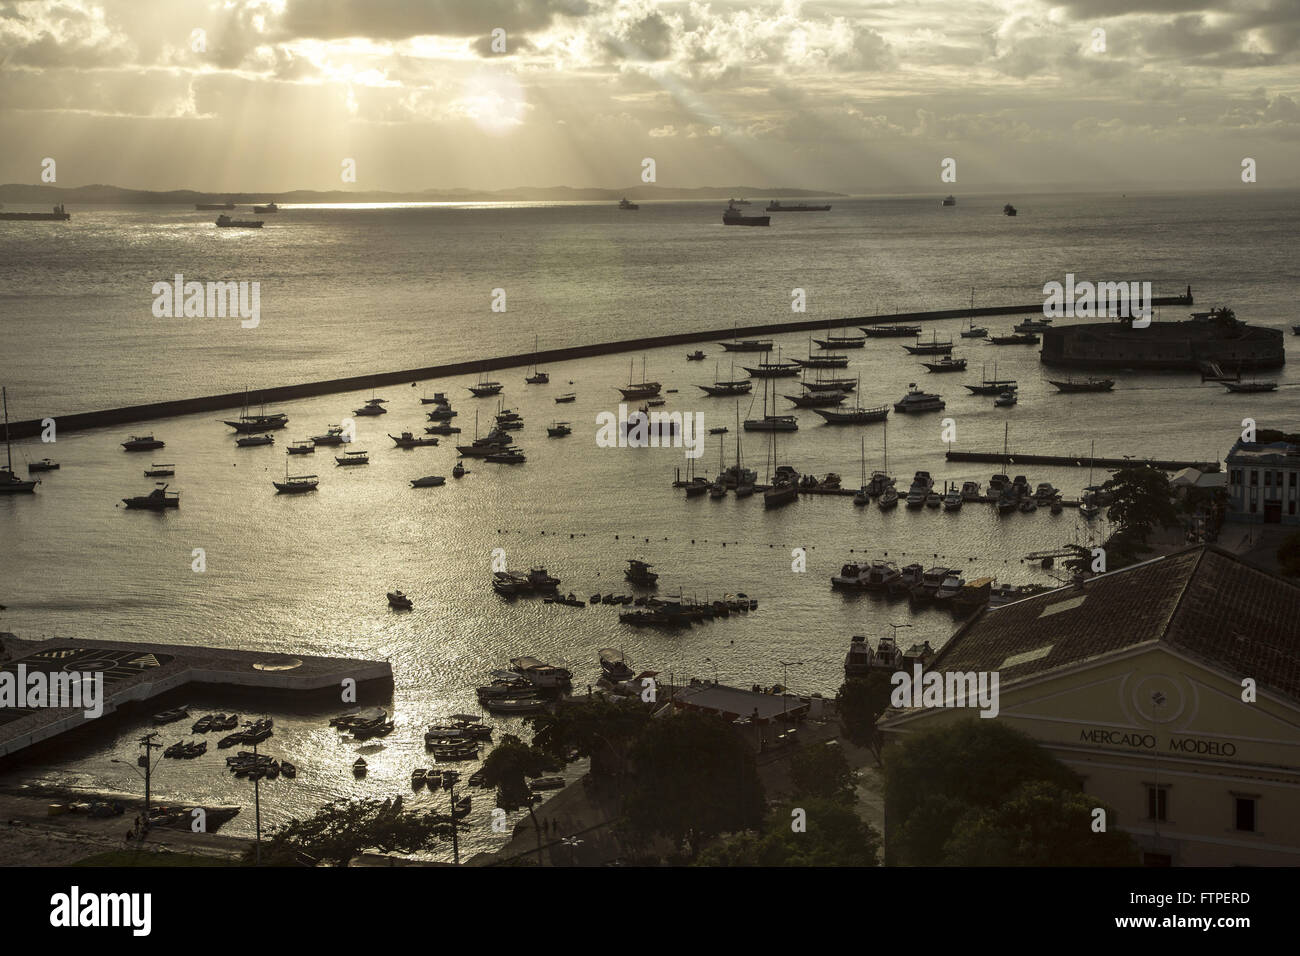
255,441
1089,385
946,364
890,331
853,416
428,481
773,370
304,447
44,464
359,767
566,397
408,440
559,429
441,428
824,361
160,471
933,347
1250,387
398,600
1015,338
353,458
295,484
171,716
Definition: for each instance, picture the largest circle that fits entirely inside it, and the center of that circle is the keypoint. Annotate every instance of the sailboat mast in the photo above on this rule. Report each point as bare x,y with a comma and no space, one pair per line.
9,454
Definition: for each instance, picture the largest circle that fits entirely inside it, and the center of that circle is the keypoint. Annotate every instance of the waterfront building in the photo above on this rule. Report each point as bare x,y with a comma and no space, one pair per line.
1264,483
1172,688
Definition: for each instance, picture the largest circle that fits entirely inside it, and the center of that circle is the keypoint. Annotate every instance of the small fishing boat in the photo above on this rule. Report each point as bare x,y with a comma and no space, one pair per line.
304,447
1008,210
559,429
353,458
374,406
953,500
507,456
255,441
1016,338
359,767
1250,387
295,484
399,601
160,471
44,464
1007,398
696,356
441,428
428,481
566,397
334,435
459,470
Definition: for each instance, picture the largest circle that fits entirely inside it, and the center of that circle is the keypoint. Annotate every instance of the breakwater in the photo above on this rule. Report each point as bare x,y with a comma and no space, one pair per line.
77,421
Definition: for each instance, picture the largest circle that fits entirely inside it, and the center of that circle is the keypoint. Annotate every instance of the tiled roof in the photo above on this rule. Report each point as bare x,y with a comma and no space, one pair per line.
1204,601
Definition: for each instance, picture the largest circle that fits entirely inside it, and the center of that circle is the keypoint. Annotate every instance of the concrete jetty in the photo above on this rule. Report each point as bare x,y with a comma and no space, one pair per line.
136,673
230,400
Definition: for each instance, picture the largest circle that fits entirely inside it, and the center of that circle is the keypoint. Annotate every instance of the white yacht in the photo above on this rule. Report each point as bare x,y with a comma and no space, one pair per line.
920,490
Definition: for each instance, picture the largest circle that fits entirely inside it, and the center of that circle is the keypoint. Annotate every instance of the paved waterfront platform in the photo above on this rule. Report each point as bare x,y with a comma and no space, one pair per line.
136,673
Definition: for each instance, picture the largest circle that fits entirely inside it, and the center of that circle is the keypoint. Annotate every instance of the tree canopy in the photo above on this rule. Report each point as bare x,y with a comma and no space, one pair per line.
1142,501
344,828
936,778
695,779
860,702
835,836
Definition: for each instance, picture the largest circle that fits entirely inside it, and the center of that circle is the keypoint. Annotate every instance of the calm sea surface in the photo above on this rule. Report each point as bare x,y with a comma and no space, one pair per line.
345,291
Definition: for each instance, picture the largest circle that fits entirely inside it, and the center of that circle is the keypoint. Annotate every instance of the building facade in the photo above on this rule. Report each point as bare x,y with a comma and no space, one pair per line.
1171,688
1264,483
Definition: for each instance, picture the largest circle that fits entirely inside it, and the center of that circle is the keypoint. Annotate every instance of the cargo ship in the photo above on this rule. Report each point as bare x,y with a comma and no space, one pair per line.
58,215
776,206
1216,337
225,222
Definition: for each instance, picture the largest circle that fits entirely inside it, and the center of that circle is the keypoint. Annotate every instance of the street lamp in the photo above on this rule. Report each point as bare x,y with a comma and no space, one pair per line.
785,705
147,742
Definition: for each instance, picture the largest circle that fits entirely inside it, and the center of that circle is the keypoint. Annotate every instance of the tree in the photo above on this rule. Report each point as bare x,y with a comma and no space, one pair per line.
835,836
508,768
1041,825
695,779
822,771
860,702
600,729
934,776
342,829
1142,499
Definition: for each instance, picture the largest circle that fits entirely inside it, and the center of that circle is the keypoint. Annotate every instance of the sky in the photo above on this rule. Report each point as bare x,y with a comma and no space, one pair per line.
856,97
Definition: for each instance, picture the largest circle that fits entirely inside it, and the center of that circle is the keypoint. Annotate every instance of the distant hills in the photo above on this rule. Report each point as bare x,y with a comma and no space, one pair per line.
49,195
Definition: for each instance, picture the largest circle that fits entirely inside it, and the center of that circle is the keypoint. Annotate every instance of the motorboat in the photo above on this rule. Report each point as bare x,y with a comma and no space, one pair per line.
371,408
918,401
428,481
157,500
638,573
953,500
866,576
922,484
441,428
459,471
559,429
696,356
1087,385
507,456
888,499
142,443
45,464
334,435
255,441
305,447
565,398
1006,399
970,491
950,587
160,471
933,499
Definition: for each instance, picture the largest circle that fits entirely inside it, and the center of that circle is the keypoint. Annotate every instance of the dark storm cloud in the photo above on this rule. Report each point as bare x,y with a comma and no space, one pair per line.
399,19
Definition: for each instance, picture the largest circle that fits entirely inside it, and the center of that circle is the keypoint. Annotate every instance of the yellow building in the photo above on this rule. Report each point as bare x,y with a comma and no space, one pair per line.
1171,687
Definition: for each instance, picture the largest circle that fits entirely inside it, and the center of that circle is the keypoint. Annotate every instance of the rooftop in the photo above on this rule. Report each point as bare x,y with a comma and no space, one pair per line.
735,703
1204,601
1257,453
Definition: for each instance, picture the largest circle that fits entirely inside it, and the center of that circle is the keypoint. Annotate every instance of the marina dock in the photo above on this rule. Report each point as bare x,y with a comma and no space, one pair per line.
136,674
1078,461
231,400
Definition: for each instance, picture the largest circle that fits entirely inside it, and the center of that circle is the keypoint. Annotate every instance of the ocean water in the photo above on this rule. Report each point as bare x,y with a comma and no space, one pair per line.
348,290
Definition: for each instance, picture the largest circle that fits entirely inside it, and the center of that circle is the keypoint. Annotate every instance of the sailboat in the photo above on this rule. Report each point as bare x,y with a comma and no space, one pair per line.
11,484
854,416
992,386
782,490
719,487
863,497
973,331
537,378
641,389
771,423
881,482
262,422
719,389
484,388
1088,507
744,477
